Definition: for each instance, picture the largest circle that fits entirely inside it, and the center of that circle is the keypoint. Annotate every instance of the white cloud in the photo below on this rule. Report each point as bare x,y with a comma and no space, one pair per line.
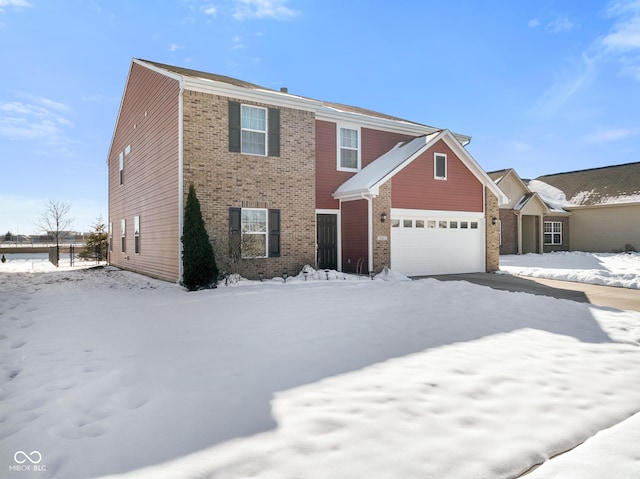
39,119
533,23
626,32
560,24
13,3
567,83
173,47
274,9
608,135
209,10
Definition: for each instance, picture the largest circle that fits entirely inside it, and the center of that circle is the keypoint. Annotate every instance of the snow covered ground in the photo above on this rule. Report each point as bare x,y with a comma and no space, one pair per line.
608,269
105,372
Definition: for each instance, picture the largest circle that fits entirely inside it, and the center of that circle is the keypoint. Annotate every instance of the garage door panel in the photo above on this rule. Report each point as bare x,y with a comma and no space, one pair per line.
424,245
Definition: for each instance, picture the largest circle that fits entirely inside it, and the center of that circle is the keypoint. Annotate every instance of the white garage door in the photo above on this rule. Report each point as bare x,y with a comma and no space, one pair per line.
424,243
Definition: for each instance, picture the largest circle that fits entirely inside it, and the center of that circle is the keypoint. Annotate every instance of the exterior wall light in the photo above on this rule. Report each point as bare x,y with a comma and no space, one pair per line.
383,217
494,221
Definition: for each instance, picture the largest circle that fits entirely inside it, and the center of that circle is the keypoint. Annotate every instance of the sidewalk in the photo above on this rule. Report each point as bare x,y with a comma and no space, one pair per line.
606,296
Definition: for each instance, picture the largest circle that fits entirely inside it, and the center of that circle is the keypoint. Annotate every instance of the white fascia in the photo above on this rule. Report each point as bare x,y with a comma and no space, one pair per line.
284,100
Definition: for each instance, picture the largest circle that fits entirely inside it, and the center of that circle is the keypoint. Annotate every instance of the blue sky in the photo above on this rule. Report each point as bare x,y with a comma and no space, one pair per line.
540,86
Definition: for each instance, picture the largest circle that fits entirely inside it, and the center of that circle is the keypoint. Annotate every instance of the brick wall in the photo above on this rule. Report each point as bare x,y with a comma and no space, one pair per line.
382,231
509,222
226,180
493,232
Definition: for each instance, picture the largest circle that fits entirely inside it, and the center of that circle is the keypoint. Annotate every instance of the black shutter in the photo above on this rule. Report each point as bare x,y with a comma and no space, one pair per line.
274,132
235,233
235,131
274,233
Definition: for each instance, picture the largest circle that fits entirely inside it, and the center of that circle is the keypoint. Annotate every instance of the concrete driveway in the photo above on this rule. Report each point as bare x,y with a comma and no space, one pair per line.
607,296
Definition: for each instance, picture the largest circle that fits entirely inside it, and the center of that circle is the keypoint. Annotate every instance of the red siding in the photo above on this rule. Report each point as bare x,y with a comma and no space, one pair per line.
415,187
355,239
374,144
148,121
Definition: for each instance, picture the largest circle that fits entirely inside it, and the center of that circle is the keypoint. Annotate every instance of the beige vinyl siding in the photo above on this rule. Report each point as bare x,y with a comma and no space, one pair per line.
149,123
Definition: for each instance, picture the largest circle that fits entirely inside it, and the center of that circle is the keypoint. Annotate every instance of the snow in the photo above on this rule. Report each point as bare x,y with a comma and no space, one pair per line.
551,195
106,372
608,269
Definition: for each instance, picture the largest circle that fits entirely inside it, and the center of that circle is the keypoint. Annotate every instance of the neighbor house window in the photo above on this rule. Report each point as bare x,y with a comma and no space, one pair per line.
254,233
123,234
440,166
136,234
348,149
110,236
254,130
552,232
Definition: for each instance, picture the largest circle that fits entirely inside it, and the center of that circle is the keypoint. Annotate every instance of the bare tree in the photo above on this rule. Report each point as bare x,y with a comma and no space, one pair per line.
55,220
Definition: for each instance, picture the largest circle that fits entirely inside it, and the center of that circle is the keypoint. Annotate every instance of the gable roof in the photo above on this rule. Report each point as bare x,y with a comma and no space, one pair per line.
367,182
203,81
608,185
534,189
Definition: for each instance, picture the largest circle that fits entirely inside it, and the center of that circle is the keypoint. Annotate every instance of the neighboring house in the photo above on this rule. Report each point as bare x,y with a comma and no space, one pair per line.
594,210
604,204
285,181
529,222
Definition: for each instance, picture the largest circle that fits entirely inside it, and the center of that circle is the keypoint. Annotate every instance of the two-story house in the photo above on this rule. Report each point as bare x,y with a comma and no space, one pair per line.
284,181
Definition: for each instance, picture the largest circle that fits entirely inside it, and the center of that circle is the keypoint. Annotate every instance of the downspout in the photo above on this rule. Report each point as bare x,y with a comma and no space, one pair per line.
180,177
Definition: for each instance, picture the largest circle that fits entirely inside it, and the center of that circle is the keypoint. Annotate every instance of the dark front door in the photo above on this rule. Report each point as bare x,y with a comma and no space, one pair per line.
327,226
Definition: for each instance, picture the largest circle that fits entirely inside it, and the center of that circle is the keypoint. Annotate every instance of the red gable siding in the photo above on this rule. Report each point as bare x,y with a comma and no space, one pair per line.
415,187
374,144
355,240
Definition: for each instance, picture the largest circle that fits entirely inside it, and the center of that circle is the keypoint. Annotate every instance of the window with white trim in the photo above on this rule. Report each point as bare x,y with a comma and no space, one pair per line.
553,232
136,234
440,166
254,233
348,149
254,130
123,236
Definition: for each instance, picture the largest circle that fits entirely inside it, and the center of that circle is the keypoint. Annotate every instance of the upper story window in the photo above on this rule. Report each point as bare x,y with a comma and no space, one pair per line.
121,157
254,130
440,166
348,149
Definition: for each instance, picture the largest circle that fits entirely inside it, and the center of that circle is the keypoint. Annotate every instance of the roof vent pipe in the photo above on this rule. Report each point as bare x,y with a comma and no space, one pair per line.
284,89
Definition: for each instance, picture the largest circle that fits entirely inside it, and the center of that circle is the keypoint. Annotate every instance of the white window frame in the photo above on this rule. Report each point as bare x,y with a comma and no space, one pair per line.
265,233
553,232
435,166
136,234
121,167
123,236
264,132
358,149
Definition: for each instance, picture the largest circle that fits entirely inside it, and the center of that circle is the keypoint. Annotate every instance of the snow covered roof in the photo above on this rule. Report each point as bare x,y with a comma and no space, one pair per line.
609,185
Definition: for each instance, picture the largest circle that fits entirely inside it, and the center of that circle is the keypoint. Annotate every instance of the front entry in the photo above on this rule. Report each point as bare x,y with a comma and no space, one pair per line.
327,238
